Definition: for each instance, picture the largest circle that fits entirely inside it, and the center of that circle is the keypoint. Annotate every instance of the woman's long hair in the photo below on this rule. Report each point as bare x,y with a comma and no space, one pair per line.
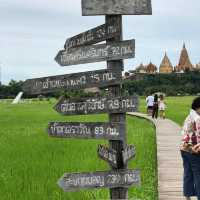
161,97
155,98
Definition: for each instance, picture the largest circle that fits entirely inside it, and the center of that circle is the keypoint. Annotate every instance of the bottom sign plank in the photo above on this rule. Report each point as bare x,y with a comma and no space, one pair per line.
106,179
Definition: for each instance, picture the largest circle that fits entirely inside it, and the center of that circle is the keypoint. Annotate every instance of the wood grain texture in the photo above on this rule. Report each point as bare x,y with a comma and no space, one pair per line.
108,154
86,130
170,166
98,78
96,53
128,153
116,7
99,105
93,36
119,192
104,179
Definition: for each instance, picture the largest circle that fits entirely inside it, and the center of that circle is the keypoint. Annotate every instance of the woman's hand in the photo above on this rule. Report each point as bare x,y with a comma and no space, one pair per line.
196,148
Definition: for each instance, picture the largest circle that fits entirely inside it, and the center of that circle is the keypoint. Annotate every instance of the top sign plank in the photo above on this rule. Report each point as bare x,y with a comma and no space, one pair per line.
93,36
116,7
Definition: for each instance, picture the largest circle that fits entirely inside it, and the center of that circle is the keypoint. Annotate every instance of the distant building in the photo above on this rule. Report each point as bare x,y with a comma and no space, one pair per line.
198,67
166,66
126,75
184,61
151,68
145,69
141,69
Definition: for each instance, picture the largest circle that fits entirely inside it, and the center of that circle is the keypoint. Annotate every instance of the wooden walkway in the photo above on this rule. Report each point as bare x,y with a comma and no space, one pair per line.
170,170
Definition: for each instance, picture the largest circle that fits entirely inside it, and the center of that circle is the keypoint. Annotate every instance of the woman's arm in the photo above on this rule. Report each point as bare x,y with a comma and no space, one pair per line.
187,127
187,131
196,148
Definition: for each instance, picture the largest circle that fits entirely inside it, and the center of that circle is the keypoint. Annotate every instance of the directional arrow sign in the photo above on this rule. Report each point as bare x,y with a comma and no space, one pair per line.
128,153
108,154
96,105
93,36
96,130
97,53
116,7
99,78
108,179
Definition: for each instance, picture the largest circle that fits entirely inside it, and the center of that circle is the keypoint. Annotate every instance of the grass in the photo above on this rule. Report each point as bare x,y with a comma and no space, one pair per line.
177,107
31,162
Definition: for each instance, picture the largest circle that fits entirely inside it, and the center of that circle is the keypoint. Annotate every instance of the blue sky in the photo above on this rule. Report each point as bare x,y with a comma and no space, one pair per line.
33,31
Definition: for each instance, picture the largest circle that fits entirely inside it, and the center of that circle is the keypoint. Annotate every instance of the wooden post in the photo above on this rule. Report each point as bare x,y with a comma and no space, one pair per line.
118,146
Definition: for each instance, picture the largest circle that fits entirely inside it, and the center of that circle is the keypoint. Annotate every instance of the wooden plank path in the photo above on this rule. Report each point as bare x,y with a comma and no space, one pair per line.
170,170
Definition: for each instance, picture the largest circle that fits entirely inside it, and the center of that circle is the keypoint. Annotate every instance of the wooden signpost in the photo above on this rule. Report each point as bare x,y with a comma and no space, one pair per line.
128,153
98,78
93,36
81,49
96,105
96,53
108,154
89,130
109,179
116,7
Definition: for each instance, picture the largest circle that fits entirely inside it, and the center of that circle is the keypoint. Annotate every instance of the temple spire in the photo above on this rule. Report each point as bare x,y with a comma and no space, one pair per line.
166,66
184,61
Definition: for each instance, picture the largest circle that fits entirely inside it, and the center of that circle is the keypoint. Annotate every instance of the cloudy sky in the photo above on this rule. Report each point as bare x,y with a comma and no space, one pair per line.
33,31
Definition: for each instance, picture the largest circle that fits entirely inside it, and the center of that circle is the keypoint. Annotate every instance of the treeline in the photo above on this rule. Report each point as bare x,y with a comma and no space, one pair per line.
11,90
171,84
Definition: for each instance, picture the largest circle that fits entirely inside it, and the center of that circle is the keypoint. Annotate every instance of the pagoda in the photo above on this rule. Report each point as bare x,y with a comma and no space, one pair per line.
184,61
197,67
151,68
141,69
166,66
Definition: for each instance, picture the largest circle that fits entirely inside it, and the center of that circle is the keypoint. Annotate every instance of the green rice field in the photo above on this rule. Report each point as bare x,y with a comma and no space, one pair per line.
177,107
31,162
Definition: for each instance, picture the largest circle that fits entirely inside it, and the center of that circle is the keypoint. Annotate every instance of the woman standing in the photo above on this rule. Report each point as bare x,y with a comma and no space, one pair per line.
162,106
149,101
190,151
155,107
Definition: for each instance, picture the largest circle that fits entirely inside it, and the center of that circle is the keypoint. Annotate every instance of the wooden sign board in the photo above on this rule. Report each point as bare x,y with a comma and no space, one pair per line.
108,154
90,130
93,36
97,53
108,179
116,7
96,105
98,78
128,153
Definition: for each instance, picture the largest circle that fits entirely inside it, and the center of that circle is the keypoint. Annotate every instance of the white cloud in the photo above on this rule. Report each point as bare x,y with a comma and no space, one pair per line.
32,32
176,8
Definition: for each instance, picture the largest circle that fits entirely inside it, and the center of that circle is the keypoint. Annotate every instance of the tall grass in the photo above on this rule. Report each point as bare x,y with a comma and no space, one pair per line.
177,107
31,162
